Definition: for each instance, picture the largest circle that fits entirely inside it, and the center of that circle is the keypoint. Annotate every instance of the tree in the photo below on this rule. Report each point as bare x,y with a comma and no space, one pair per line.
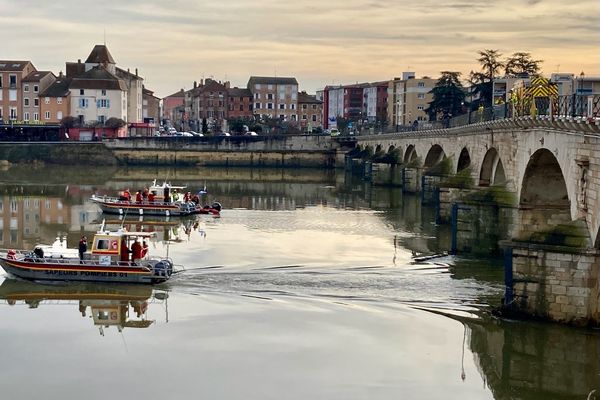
204,126
490,63
69,122
448,96
521,63
114,123
237,125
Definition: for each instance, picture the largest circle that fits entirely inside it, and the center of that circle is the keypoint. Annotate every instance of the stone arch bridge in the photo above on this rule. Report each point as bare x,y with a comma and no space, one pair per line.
553,167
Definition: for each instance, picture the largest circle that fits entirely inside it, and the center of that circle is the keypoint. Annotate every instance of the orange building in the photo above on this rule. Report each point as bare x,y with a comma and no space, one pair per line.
55,101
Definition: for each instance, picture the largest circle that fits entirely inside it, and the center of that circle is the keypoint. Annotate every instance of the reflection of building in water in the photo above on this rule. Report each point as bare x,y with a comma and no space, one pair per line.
21,218
121,306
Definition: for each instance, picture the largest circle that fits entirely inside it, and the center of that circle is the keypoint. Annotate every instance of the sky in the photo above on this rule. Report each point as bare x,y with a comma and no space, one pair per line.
175,42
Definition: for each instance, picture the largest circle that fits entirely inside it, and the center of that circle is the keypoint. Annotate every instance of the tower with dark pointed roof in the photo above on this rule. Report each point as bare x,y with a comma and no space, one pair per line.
100,56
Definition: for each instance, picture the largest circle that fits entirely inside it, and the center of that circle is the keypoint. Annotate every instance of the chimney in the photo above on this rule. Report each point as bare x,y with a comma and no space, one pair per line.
201,82
195,84
60,74
227,84
136,74
127,70
79,61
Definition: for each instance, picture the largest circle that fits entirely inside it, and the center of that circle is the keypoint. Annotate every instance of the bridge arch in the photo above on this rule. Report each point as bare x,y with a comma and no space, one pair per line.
544,184
492,170
434,156
410,155
379,148
464,160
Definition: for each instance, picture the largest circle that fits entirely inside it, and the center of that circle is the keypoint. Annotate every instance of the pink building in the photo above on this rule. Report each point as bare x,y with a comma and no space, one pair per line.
171,102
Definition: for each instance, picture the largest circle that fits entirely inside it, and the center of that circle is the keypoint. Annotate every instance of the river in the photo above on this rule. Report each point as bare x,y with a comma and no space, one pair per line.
306,287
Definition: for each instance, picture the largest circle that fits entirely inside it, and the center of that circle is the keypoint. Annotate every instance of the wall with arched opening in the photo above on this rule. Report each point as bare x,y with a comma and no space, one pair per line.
464,160
434,156
410,155
492,169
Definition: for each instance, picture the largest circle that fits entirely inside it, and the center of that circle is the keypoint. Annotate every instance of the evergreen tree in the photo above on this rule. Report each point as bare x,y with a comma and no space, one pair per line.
521,63
448,96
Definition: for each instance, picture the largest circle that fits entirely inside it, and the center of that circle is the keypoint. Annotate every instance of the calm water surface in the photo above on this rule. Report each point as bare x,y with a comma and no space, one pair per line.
304,288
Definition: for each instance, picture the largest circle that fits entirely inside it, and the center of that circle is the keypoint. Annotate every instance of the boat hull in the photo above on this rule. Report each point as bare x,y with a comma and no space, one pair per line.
70,271
153,209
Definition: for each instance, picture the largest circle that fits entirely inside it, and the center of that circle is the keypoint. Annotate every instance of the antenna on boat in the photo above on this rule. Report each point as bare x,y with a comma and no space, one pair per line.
102,225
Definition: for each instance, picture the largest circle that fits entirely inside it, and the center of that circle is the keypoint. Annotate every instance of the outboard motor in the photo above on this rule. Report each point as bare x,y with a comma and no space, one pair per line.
163,268
216,205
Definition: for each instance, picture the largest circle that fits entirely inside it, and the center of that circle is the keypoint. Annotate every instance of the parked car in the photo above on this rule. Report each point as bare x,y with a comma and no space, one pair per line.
184,134
224,134
197,134
334,132
252,133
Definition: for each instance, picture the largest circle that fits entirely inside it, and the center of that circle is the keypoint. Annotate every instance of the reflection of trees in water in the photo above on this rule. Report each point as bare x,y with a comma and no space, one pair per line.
526,360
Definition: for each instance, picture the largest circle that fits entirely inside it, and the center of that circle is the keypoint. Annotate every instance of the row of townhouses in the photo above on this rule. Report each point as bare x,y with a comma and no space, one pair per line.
92,92
217,102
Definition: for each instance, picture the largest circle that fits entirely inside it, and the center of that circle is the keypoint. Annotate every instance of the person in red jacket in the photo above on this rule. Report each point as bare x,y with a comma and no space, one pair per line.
138,197
124,251
136,251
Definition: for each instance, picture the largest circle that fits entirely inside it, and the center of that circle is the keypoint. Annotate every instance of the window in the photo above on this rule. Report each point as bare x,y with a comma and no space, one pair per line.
314,118
26,101
421,96
103,103
59,115
282,106
12,95
47,100
256,96
304,116
293,106
59,100
26,88
36,88
13,113
103,92
36,116
12,81
270,87
257,86
293,117
421,108
0,80
314,107
47,115
270,106
101,119
270,96
36,102
304,106
282,116
0,112
81,92
421,84
26,116
256,106
83,103
241,107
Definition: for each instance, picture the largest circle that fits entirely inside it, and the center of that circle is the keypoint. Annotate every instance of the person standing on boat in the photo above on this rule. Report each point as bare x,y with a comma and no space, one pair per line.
136,251
127,195
144,249
145,194
138,197
82,247
124,251
151,197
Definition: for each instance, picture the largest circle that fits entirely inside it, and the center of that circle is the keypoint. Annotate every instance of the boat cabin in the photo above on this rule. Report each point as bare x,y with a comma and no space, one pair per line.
175,193
120,246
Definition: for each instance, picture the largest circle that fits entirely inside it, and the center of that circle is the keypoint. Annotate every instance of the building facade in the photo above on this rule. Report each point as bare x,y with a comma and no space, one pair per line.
150,107
11,91
56,100
177,99
32,86
97,95
275,97
310,112
240,103
134,94
408,98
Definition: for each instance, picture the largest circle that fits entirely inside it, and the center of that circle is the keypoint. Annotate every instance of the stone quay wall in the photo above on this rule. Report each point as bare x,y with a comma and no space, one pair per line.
61,153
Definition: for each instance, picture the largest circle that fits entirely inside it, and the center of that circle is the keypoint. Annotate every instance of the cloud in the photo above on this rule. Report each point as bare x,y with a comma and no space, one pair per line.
178,41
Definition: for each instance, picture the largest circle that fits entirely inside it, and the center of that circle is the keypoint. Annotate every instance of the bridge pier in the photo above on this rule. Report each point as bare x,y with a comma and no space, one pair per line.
553,283
411,180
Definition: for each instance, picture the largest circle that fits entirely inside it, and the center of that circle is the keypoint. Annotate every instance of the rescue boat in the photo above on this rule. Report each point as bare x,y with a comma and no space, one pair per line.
105,262
163,200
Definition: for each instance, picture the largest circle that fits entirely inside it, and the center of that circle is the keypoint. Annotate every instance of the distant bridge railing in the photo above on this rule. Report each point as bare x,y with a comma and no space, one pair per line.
576,107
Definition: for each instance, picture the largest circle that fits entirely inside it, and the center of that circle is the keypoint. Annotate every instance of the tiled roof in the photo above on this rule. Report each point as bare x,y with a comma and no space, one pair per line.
97,78
10,65
60,88
180,93
271,80
237,92
99,55
126,74
36,76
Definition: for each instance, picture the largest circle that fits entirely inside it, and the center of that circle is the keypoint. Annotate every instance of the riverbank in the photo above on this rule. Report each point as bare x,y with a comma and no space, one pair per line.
302,151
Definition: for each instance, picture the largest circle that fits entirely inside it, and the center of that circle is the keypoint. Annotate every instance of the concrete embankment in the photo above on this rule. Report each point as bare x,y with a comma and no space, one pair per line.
270,151
243,151
63,153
